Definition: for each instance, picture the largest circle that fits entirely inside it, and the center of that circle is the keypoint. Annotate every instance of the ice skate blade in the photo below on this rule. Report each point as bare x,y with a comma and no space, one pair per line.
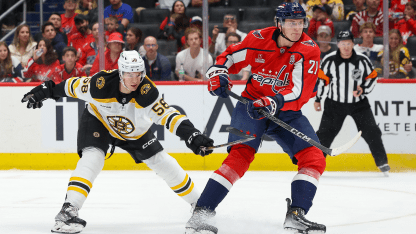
61,227
297,231
193,231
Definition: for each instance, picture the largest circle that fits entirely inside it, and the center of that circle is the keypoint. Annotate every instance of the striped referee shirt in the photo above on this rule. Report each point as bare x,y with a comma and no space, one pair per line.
344,75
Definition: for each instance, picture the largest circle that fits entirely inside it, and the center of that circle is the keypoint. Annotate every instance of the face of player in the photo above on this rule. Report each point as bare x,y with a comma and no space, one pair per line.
323,37
131,80
70,5
111,26
95,30
179,8
358,3
115,47
131,38
69,59
293,28
56,20
409,11
232,40
24,35
229,21
49,32
367,34
42,45
373,4
394,40
3,52
82,27
193,40
345,48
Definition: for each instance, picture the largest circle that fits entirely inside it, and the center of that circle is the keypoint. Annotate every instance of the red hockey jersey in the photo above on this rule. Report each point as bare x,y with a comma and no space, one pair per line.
290,71
61,74
362,17
40,72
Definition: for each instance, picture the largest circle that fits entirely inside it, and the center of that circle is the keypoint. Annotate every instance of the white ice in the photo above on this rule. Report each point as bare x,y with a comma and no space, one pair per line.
140,202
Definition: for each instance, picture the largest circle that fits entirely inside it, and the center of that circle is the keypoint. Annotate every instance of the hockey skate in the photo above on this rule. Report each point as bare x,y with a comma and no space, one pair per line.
385,169
295,220
198,223
67,221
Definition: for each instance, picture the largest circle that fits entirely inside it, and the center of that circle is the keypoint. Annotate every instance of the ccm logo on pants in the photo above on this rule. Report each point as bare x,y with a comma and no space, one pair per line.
149,143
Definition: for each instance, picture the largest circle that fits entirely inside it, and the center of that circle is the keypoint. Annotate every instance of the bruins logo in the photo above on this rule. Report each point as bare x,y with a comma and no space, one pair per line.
145,89
100,82
121,124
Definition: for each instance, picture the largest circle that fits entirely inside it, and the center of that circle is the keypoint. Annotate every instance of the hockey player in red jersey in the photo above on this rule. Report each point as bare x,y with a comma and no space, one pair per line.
285,64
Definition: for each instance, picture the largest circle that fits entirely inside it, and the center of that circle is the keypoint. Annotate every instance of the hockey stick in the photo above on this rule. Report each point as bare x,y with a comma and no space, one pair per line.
332,152
233,131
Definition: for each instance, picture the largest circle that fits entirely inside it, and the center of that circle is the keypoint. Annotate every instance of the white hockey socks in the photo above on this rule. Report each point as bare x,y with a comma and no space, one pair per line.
88,168
177,179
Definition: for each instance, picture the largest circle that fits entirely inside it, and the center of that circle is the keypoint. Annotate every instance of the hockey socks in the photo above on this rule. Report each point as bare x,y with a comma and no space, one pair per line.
212,195
304,187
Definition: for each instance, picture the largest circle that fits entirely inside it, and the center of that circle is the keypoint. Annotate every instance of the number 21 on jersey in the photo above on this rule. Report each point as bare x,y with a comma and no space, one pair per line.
314,67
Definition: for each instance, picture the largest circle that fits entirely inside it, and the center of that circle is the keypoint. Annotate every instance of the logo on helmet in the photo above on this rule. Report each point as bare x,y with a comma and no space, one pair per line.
134,60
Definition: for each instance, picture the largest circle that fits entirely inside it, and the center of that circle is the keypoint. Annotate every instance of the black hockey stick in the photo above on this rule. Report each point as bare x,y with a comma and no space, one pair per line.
235,132
332,152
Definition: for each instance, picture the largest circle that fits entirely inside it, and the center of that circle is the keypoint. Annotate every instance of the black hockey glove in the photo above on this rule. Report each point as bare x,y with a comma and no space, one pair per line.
38,94
196,140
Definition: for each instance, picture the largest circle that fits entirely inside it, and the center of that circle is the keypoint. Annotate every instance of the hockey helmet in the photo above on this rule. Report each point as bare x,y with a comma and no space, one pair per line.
131,61
290,10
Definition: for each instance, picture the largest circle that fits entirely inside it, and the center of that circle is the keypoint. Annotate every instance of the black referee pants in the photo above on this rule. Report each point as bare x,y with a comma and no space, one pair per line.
334,116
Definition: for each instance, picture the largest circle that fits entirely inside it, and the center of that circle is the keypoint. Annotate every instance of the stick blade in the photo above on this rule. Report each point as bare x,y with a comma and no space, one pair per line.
345,147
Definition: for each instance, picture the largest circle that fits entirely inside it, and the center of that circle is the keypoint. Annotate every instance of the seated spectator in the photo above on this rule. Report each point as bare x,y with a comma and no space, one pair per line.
320,17
43,63
23,45
157,65
191,59
111,26
371,50
231,39
178,8
55,19
68,23
399,62
211,3
83,36
337,8
324,39
84,6
70,68
167,4
218,38
122,11
10,67
372,14
90,50
48,32
407,25
196,21
111,55
359,6
133,38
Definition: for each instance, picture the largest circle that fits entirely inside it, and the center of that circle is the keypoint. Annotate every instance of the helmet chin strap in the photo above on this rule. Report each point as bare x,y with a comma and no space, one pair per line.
122,82
284,36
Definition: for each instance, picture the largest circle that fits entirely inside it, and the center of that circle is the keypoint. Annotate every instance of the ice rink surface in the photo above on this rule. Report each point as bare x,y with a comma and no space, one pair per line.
139,202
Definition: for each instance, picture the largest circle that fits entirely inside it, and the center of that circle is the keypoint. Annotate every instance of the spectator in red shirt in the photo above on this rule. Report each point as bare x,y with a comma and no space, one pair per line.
70,68
115,47
43,63
83,36
320,17
111,26
407,25
90,51
370,15
68,24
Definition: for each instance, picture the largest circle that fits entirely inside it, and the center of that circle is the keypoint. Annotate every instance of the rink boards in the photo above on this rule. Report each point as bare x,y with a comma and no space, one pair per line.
45,139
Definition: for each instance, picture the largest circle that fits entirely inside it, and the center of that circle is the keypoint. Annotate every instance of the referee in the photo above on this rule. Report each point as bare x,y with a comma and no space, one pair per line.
350,76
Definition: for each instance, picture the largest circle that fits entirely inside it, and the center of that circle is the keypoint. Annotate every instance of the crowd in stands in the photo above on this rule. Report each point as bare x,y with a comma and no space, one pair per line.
168,34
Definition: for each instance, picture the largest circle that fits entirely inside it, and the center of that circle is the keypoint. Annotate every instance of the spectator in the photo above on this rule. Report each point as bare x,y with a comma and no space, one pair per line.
122,11
179,8
68,23
397,6
324,39
196,21
191,58
218,38
70,68
157,65
399,58
82,37
115,47
359,6
133,38
167,4
231,39
337,8
111,26
43,63
55,18
90,51
407,25
23,45
369,15
211,3
320,17
48,32
371,50
84,6
10,67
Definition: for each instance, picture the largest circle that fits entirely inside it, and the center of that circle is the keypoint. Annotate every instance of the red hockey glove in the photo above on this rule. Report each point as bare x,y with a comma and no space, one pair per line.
269,104
218,81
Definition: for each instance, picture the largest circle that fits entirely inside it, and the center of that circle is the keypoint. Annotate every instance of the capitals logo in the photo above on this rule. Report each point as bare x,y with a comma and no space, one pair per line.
277,83
309,43
258,34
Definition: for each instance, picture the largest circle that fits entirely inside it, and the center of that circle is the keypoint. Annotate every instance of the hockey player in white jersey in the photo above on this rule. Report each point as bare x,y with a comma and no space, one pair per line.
122,106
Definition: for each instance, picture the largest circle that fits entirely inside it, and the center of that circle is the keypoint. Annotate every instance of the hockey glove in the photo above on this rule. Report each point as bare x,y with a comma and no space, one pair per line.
218,81
38,94
196,140
269,104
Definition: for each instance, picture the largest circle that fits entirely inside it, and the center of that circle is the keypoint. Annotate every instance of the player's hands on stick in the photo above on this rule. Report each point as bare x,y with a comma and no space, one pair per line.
269,104
37,95
317,106
198,140
358,92
219,81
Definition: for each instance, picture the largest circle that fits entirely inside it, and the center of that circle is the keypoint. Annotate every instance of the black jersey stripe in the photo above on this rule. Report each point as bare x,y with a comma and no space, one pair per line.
184,188
79,184
170,119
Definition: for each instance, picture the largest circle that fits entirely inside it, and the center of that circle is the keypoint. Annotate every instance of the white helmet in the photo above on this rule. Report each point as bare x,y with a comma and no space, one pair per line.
131,61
